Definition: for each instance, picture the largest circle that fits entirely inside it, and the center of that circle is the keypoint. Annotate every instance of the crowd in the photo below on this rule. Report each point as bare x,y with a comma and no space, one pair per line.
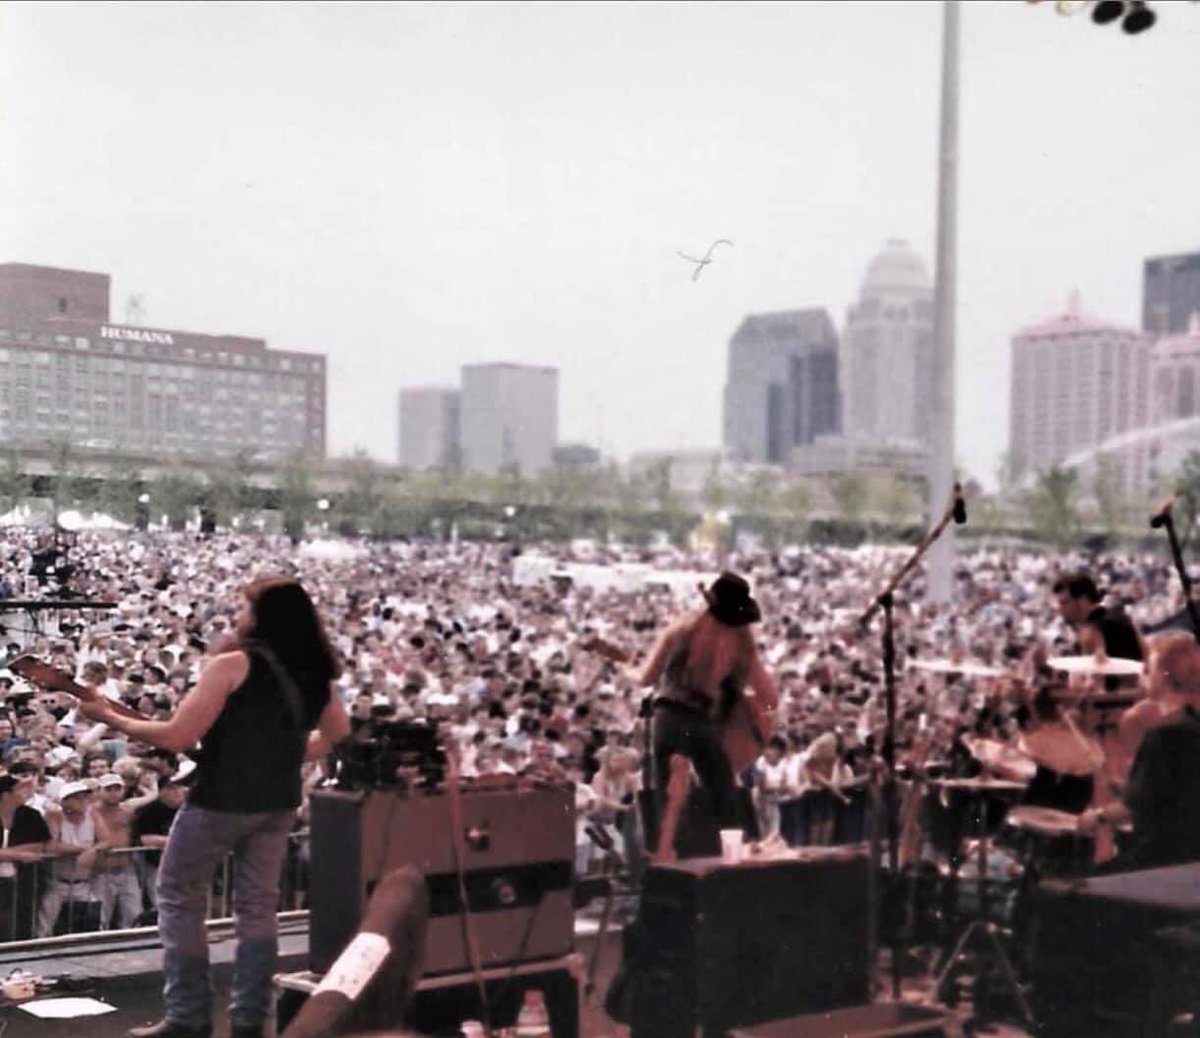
443,632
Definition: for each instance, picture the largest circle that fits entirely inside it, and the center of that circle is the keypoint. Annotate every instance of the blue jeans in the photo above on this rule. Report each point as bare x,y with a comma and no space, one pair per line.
199,841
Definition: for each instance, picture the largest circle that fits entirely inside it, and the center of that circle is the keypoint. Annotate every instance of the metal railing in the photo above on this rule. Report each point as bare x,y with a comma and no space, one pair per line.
54,898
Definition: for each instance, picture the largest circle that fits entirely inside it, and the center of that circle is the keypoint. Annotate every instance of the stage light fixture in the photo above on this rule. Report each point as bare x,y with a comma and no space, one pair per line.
1139,19
1108,11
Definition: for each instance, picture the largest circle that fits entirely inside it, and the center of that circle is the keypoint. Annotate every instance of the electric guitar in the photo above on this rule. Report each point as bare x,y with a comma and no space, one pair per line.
745,719
54,679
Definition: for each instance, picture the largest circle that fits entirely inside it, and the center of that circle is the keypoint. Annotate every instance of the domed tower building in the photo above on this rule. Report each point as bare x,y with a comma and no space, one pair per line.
886,360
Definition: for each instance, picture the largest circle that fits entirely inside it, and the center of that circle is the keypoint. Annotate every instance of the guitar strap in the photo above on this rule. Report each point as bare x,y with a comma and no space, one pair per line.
291,693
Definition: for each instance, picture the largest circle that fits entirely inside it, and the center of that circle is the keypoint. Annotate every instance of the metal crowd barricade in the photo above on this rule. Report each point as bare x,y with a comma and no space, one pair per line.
820,818
23,894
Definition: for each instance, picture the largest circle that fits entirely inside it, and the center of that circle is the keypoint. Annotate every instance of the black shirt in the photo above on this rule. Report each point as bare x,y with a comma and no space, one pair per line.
1117,630
28,827
250,758
1163,794
152,819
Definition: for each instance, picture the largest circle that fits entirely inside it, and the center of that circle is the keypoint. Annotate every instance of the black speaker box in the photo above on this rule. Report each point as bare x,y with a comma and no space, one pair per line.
519,849
1096,950
728,945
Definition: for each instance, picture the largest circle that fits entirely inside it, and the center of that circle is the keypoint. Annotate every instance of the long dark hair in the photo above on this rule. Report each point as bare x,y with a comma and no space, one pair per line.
285,621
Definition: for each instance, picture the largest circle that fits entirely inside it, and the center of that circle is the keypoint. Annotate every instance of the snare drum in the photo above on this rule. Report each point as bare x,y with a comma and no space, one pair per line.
1049,841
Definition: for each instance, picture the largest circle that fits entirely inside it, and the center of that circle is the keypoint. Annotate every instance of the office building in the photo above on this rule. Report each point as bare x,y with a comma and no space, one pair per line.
429,428
68,374
886,358
1170,293
781,388
1078,382
509,417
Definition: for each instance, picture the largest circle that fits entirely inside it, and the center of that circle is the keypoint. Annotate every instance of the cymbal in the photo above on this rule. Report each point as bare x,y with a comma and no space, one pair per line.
1098,666
980,785
1056,747
1003,760
1047,820
967,668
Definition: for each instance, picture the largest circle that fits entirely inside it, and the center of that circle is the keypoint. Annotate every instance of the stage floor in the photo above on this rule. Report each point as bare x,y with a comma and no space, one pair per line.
129,981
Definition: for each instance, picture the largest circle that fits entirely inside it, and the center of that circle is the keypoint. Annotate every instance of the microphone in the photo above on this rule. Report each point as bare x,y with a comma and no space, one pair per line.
960,505
1163,515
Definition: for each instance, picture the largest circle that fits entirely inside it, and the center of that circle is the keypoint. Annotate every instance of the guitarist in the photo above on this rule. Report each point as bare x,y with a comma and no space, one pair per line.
702,665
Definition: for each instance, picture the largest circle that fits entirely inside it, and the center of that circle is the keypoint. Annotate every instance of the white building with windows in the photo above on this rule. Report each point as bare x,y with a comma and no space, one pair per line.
1078,383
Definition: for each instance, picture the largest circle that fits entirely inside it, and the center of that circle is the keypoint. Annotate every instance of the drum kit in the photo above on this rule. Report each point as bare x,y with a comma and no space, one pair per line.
1060,746
1044,840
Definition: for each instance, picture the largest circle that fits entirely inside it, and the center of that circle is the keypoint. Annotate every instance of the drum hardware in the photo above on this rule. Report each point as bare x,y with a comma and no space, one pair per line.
982,926
883,790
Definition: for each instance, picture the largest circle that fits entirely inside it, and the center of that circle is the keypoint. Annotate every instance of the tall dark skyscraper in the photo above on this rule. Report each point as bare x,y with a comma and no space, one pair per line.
1170,293
782,384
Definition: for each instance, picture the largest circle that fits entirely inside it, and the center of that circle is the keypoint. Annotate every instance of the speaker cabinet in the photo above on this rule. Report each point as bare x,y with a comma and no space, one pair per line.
722,945
519,848
1097,950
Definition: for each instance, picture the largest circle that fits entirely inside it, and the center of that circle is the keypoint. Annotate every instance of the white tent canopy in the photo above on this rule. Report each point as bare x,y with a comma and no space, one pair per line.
75,521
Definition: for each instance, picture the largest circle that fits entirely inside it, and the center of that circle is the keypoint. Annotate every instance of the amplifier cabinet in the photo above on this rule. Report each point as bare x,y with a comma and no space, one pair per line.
519,851
1095,951
722,945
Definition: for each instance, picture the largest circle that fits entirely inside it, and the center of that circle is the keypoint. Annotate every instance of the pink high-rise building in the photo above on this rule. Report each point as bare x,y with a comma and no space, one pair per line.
1077,382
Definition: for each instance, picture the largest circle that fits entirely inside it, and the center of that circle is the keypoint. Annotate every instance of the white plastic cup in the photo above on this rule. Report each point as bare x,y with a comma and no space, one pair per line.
732,841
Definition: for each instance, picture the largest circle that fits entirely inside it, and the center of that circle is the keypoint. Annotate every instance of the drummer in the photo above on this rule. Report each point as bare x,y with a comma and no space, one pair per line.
1096,626
1068,760
1162,797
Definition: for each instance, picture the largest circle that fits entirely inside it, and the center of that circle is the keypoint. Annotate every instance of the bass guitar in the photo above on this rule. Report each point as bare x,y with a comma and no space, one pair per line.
54,679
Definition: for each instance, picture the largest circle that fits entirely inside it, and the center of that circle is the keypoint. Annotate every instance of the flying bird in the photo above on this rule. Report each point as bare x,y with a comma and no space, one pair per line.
707,259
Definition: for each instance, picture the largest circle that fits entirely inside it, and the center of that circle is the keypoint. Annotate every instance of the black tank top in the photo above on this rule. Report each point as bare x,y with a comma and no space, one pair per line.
250,759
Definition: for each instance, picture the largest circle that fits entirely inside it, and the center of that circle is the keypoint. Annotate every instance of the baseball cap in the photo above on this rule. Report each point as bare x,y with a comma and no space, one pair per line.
109,780
72,788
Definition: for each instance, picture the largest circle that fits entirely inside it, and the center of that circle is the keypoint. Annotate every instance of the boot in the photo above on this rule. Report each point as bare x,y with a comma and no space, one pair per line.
170,1029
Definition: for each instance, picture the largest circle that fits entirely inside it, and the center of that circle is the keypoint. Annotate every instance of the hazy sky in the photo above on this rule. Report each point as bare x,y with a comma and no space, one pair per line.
410,188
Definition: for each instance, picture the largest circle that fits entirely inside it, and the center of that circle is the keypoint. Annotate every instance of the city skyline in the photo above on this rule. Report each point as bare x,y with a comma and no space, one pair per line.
411,189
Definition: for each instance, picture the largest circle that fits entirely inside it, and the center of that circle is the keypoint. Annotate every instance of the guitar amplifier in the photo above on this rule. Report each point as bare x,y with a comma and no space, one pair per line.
1096,960
721,946
519,849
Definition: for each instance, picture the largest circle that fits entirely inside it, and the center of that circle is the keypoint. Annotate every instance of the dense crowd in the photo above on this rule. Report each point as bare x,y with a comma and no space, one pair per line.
443,632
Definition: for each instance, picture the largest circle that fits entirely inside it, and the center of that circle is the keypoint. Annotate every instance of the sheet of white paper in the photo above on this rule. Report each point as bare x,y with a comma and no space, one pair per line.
66,1008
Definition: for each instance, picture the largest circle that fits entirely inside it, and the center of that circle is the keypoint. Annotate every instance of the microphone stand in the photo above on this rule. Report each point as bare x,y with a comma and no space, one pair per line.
885,601
1165,518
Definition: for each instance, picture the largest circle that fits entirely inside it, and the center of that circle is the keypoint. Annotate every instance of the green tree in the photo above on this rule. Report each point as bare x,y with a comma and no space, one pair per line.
62,476
14,483
296,498
715,494
1109,493
229,488
850,492
364,494
1010,473
120,490
1053,506
174,492
1187,508
756,496
892,498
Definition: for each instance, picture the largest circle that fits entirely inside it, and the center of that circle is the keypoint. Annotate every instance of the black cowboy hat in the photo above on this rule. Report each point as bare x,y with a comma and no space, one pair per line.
730,602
